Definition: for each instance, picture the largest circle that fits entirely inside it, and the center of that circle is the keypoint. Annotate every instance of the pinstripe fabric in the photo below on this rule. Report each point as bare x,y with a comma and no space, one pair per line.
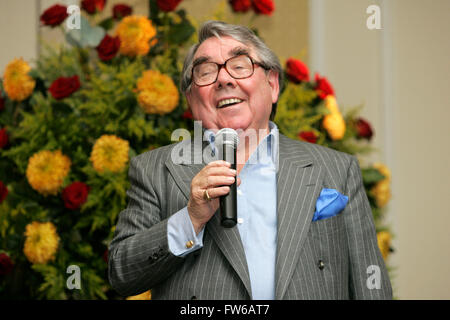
139,258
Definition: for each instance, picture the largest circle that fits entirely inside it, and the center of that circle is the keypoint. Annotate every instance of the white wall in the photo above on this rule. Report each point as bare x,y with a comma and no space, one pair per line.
18,31
402,74
420,140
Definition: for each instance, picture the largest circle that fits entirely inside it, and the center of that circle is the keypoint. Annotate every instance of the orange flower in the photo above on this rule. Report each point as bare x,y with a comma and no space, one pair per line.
16,81
41,242
147,295
109,153
135,33
333,122
157,92
384,243
382,189
46,171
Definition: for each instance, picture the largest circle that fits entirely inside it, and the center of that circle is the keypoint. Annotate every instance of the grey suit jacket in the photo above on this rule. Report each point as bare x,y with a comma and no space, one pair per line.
334,258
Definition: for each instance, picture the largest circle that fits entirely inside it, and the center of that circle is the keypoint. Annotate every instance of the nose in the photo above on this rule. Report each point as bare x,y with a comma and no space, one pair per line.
224,79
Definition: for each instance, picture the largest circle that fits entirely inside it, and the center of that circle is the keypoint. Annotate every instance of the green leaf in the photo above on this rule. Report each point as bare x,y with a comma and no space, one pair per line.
371,176
180,33
107,23
86,36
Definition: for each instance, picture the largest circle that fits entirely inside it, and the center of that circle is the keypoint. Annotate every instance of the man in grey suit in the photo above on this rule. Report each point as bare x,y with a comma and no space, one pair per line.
305,228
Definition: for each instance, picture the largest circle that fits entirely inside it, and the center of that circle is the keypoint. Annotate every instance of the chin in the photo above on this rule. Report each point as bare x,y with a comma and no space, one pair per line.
237,125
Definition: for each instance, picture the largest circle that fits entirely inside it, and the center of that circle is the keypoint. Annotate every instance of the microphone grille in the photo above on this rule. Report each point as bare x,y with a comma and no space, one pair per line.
227,136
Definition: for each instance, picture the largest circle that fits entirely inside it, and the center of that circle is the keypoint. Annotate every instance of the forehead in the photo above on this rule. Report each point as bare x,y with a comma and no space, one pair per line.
223,47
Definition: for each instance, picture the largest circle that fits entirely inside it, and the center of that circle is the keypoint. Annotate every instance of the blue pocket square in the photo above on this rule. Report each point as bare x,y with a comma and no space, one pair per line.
329,204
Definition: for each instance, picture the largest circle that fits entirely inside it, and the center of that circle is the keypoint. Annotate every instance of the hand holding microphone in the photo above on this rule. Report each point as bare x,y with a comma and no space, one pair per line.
216,180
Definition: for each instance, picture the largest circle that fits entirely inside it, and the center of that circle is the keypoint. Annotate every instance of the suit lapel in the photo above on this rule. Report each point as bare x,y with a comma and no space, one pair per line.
299,182
228,240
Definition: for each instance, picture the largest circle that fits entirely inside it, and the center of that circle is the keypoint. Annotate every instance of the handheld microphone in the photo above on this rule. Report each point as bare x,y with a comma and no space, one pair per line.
227,141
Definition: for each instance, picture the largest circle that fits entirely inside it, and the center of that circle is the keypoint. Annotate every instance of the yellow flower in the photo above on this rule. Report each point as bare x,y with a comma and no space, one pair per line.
147,295
157,92
333,122
331,104
135,33
110,153
384,243
16,81
41,242
384,170
46,171
382,191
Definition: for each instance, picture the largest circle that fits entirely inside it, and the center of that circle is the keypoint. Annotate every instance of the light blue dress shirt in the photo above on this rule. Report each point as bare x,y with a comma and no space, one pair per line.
257,218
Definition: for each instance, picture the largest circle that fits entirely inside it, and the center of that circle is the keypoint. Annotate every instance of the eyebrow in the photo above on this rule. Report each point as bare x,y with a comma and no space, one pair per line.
237,51
200,60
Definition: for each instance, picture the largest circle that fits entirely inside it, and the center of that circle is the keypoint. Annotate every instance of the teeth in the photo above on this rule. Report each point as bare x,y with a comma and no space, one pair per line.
228,101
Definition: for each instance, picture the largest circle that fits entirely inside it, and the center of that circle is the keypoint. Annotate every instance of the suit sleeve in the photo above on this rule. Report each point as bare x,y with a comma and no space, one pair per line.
139,256
368,274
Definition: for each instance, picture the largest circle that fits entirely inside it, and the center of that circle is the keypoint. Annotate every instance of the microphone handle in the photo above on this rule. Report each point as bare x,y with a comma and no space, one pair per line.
228,202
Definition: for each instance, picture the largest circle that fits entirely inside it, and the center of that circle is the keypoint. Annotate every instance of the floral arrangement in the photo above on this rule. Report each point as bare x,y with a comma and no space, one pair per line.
69,126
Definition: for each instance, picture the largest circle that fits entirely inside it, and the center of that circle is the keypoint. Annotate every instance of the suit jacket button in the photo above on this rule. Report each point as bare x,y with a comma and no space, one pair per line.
321,265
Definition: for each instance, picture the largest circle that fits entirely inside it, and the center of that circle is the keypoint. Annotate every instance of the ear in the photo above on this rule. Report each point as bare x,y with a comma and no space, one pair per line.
188,96
272,78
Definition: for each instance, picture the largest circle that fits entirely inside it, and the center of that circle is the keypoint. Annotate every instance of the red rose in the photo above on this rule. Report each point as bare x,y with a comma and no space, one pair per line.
187,114
6,264
64,87
323,87
296,70
105,256
263,6
308,136
167,5
108,48
121,10
54,15
240,5
93,6
2,102
3,138
75,195
364,129
3,191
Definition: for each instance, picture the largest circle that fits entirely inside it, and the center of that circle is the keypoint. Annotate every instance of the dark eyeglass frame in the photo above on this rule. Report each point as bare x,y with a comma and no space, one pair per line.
220,65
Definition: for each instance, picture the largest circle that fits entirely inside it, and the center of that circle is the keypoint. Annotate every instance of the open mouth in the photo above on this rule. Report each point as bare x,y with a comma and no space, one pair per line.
228,102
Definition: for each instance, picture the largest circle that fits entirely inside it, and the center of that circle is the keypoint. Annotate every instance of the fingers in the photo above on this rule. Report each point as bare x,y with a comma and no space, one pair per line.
218,192
214,179
215,174
217,181
218,163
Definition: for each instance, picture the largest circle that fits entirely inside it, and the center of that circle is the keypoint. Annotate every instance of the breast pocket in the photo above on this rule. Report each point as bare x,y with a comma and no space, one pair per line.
327,226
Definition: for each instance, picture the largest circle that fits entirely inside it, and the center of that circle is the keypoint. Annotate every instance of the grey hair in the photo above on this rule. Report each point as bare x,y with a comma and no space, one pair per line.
240,33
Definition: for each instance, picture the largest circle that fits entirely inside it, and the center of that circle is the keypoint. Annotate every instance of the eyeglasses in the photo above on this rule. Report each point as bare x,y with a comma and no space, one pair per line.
239,67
